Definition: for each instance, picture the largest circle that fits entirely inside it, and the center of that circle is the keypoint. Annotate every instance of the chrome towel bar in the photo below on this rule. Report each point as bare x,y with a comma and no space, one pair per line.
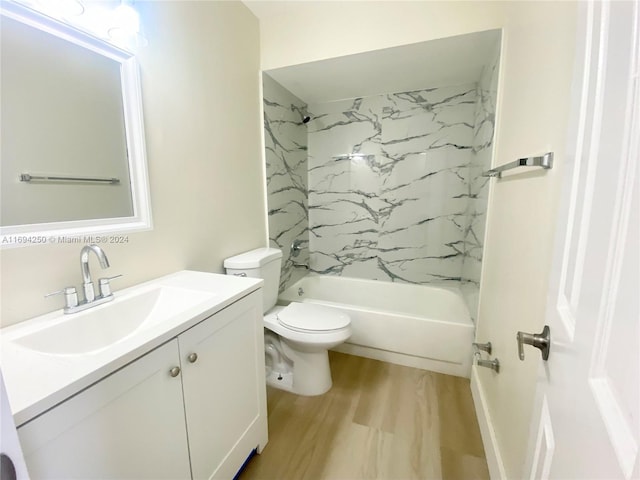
26,177
545,161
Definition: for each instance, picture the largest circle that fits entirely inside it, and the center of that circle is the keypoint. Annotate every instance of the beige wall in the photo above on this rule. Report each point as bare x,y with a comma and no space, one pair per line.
533,112
295,32
532,117
200,80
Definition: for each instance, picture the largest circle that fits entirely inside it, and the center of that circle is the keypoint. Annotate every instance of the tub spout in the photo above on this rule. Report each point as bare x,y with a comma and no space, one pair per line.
492,364
301,265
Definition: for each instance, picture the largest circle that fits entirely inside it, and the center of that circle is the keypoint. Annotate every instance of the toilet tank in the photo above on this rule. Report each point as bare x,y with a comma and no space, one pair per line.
259,263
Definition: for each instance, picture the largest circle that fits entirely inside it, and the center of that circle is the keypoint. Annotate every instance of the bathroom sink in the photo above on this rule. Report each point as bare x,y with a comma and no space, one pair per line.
49,358
102,326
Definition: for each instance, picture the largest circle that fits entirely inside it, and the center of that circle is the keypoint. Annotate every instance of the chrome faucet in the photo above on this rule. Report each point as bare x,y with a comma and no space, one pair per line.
87,284
72,305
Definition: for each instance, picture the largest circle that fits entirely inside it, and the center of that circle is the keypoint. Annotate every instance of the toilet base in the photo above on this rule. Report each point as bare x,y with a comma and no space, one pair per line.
281,381
291,367
311,370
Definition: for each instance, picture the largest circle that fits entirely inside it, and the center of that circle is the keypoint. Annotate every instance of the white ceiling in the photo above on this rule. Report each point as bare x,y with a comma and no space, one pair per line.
448,61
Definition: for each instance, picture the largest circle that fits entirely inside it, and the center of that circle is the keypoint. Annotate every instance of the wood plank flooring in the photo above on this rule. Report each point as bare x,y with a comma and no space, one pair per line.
378,421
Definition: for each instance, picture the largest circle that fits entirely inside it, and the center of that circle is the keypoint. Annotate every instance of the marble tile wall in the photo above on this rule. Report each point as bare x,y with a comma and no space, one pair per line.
389,185
483,135
286,158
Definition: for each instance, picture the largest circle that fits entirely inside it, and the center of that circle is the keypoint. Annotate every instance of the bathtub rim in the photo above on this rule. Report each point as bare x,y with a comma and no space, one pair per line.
468,320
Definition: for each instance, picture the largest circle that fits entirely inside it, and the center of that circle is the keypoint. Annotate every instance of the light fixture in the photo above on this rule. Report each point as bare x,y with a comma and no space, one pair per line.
119,26
126,18
60,8
125,27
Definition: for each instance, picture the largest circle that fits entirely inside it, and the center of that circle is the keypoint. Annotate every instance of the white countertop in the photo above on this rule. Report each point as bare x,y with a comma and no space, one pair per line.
38,381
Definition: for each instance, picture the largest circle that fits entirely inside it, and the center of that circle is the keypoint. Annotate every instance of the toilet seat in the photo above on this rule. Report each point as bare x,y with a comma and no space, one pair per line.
305,317
304,335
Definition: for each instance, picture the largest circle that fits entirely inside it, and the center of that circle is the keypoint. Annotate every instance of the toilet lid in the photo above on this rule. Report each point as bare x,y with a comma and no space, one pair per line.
308,317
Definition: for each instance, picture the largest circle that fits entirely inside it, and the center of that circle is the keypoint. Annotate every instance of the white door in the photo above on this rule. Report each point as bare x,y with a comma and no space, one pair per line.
587,407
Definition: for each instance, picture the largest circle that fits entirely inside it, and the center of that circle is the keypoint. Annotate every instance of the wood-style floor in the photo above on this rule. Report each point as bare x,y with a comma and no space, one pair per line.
378,421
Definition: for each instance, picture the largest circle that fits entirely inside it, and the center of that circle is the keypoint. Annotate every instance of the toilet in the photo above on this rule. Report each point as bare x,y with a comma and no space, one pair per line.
297,336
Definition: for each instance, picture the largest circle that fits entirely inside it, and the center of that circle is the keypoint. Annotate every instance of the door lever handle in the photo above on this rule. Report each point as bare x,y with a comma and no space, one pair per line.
541,341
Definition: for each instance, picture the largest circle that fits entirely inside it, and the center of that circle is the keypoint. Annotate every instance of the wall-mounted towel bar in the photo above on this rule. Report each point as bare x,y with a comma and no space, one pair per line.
545,161
26,177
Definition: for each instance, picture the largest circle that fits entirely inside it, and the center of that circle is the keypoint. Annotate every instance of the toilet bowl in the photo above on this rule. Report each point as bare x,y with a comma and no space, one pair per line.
297,336
303,335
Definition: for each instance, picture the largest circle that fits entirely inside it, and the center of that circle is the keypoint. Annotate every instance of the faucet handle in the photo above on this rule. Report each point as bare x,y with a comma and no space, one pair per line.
296,247
105,286
70,296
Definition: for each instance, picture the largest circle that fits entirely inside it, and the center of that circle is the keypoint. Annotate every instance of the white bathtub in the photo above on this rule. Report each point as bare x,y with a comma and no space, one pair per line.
420,326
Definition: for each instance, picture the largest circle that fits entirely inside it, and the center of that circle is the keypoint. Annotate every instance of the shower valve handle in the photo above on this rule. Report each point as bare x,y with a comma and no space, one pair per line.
541,341
296,247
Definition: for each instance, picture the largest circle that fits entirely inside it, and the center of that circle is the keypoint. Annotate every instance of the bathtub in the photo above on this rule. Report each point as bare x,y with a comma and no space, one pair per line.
419,326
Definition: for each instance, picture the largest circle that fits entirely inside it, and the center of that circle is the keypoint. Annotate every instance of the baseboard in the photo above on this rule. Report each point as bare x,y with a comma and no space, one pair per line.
438,366
491,449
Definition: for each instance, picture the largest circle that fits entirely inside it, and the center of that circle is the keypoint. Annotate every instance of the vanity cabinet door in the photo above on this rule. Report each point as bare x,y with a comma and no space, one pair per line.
128,425
224,388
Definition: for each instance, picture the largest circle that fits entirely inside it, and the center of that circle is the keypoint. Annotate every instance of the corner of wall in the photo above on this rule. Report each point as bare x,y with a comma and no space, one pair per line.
286,160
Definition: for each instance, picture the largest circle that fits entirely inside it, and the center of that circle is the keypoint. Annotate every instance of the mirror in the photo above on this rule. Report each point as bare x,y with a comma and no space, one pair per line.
73,158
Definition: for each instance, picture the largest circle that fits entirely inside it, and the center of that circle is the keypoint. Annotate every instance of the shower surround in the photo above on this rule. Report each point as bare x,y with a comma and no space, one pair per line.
386,187
389,186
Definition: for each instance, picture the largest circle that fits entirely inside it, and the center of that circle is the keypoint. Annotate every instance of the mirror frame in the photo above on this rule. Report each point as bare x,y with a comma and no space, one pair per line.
72,231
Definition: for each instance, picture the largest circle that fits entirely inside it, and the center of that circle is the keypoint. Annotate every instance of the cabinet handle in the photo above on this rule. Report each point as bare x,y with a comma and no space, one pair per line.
192,357
174,372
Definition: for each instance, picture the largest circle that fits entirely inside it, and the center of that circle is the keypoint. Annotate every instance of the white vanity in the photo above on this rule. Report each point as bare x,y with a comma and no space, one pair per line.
166,381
